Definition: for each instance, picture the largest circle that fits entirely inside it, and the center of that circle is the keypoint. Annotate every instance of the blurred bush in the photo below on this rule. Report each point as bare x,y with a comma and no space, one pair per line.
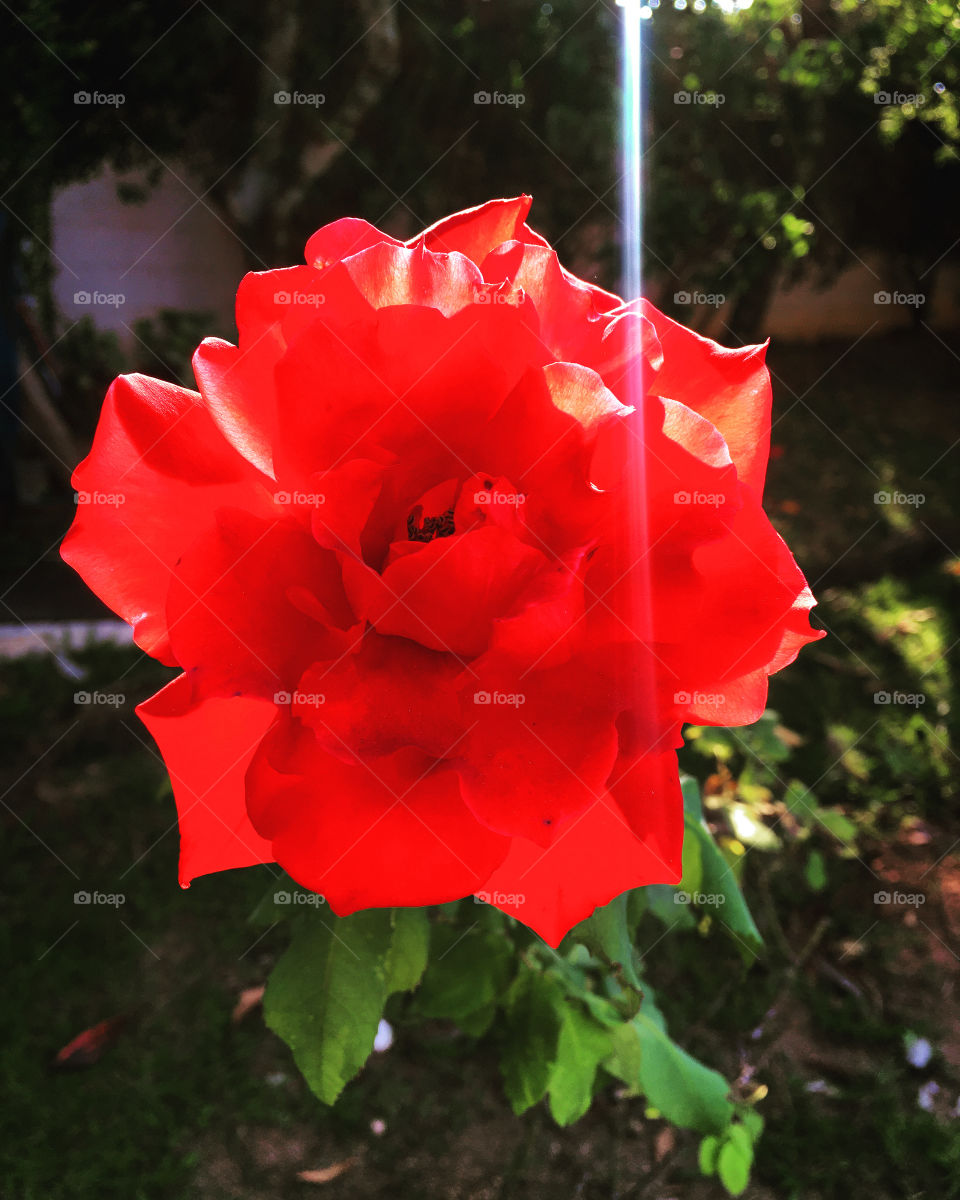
836,133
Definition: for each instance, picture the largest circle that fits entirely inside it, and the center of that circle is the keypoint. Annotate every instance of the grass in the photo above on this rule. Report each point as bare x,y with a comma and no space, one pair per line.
188,1103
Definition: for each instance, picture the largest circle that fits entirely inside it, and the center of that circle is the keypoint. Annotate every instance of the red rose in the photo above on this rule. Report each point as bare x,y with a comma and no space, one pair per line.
389,544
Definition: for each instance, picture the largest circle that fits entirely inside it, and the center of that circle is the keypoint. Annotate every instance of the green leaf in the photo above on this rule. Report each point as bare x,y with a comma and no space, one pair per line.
599,1007
685,1091
532,1033
407,959
326,995
607,931
285,899
624,1059
662,902
707,1155
816,871
692,865
835,822
468,971
477,1023
636,906
752,1123
582,1046
740,1136
728,906
734,1162
800,801
690,789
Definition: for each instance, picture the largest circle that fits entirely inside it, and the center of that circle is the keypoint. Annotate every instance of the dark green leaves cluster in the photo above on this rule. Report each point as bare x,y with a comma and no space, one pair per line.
563,1022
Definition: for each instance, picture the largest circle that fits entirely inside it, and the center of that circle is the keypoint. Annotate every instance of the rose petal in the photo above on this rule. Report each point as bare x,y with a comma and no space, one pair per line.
731,388
159,455
569,309
342,238
388,275
396,833
390,694
236,623
207,748
409,381
447,595
273,309
539,748
598,856
475,232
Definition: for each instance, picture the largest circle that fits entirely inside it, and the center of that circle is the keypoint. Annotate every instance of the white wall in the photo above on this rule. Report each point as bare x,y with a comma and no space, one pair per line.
169,252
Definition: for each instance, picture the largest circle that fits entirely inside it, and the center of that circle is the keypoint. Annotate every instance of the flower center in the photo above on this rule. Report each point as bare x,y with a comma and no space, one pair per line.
425,529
